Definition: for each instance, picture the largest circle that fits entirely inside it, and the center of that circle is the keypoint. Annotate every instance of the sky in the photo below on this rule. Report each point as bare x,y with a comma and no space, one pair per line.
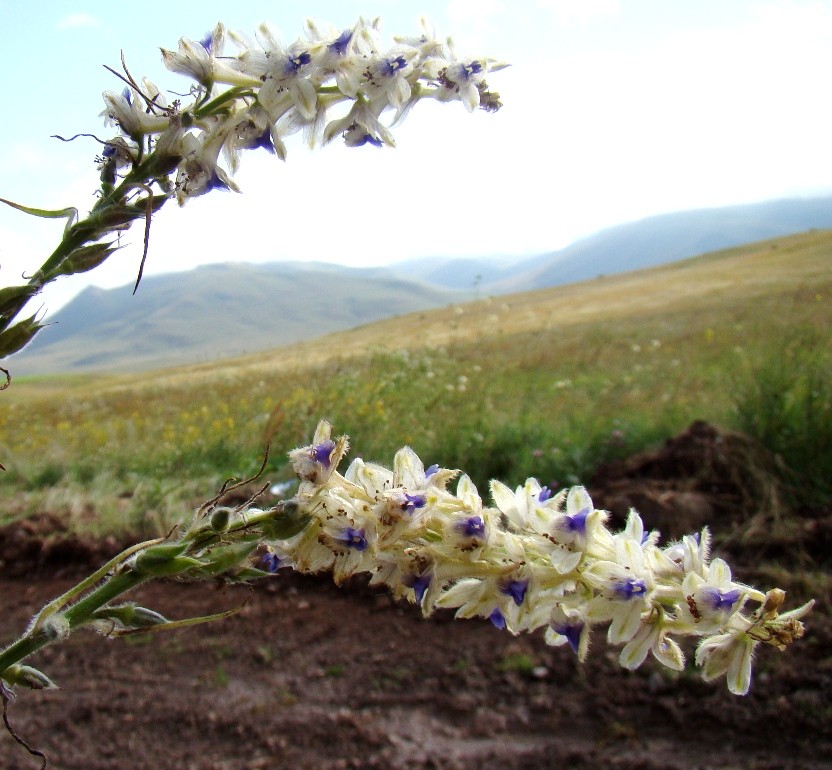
614,110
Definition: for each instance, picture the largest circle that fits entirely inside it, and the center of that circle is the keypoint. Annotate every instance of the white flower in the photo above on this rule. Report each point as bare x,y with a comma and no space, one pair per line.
652,637
568,626
625,586
535,561
427,44
530,507
200,61
389,74
132,114
252,129
711,600
361,125
731,654
342,54
199,172
315,464
287,71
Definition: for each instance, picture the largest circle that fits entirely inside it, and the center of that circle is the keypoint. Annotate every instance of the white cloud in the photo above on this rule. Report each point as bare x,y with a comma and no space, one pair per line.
475,23
468,10
76,20
579,12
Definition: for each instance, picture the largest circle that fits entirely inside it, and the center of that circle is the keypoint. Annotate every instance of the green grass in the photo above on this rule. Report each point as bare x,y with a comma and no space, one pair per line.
548,384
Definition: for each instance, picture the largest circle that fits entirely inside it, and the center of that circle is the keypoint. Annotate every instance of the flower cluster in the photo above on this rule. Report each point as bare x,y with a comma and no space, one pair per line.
268,90
536,560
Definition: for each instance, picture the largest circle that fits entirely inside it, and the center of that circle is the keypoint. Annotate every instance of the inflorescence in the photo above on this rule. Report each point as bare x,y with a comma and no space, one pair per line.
267,91
535,560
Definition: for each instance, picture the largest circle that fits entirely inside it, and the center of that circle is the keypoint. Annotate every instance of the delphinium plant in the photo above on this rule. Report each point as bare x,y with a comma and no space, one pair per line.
538,559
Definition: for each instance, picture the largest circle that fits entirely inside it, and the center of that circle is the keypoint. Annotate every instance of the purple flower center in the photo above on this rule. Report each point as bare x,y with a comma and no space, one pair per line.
264,140
354,138
631,587
720,600
576,524
322,453
412,502
390,67
572,632
273,562
473,527
294,63
339,45
419,584
474,68
516,589
353,538
497,619
215,183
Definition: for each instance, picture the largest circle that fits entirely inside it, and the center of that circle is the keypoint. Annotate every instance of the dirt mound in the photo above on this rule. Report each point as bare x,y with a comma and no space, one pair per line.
307,675
702,476
725,480
40,545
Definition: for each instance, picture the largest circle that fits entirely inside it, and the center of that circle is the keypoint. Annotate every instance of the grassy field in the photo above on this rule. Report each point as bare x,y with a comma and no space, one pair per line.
549,383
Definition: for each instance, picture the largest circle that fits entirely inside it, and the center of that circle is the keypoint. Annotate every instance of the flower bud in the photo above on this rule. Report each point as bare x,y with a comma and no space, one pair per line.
28,677
12,300
224,558
289,519
18,336
130,616
164,559
219,519
84,259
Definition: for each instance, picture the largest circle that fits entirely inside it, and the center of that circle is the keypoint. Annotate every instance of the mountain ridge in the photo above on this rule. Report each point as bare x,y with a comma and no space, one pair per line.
223,310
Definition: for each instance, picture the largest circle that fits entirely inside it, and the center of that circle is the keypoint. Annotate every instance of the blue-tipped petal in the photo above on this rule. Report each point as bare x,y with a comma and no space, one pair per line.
322,453
354,538
412,502
419,584
497,620
341,43
390,67
630,588
720,600
572,632
216,183
516,589
577,523
294,63
473,527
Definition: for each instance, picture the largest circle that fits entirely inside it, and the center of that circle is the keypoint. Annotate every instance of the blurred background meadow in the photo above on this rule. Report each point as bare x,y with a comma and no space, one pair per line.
550,384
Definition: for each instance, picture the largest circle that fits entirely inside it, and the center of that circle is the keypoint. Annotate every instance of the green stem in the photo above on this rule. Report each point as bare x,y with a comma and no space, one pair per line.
87,583
83,231
76,616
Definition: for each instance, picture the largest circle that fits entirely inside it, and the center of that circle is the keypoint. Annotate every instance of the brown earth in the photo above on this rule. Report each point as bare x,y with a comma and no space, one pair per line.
307,675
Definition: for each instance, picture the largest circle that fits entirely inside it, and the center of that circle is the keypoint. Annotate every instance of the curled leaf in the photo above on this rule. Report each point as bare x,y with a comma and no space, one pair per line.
70,213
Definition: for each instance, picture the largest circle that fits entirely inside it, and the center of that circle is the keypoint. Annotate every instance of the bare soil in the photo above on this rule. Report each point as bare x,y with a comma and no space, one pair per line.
308,675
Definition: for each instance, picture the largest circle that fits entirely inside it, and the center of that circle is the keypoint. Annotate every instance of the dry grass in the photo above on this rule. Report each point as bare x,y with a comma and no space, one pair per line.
546,383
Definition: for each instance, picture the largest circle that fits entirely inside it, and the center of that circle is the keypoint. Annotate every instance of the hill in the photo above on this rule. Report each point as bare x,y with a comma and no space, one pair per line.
215,312
222,311
631,246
